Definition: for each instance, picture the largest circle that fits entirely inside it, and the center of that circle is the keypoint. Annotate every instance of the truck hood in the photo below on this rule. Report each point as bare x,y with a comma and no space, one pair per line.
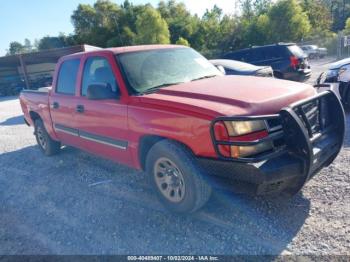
230,95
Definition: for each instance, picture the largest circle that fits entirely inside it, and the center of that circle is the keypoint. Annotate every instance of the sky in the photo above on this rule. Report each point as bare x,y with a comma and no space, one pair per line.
33,19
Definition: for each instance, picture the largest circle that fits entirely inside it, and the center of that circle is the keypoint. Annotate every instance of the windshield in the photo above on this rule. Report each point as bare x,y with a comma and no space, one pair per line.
152,69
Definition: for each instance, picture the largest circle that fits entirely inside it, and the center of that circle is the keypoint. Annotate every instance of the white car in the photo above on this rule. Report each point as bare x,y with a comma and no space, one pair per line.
338,78
313,51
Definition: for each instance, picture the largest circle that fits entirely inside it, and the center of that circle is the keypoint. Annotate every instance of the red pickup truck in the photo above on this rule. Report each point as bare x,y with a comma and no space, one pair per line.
165,109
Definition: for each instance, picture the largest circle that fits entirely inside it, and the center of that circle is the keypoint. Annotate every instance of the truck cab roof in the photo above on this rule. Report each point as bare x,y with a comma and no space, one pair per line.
124,49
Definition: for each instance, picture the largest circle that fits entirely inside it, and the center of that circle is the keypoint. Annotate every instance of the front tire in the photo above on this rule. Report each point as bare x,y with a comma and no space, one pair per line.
46,144
176,177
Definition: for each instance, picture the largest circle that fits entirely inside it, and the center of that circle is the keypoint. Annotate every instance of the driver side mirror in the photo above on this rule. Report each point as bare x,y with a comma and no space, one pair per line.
100,91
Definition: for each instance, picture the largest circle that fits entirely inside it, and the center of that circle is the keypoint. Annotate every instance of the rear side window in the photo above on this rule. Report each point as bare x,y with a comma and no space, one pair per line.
67,77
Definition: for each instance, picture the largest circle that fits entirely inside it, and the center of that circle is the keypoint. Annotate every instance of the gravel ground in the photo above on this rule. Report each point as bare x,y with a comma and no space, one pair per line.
77,203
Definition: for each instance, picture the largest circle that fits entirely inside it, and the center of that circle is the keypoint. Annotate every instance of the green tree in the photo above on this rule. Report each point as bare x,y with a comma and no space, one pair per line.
182,41
97,24
106,23
15,48
19,48
258,32
339,12
28,47
295,24
319,16
347,26
180,21
252,8
49,42
208,34
151,28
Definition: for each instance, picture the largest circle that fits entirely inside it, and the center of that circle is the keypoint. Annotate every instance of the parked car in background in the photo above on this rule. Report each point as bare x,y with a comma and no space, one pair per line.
338,78
310,51
167,110
313,51
322,52
288,61
233,67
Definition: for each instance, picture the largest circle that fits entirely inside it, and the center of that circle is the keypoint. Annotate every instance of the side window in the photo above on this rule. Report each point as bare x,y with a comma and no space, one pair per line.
98,70
275,52
67,77
244,56
256,55
248,56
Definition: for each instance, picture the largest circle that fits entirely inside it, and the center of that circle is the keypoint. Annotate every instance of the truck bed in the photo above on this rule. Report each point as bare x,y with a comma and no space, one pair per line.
35,101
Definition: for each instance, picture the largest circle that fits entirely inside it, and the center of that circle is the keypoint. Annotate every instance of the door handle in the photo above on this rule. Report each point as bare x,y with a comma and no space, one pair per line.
55,105
80,109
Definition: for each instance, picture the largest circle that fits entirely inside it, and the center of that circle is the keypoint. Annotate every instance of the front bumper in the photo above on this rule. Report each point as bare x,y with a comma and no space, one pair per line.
310,138
299,75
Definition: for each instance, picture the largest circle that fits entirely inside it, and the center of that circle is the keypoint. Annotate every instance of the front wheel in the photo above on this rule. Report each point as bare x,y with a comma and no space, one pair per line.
176,177
47,145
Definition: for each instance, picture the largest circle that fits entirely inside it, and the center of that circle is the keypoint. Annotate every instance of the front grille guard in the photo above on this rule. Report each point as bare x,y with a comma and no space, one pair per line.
305,138
296,132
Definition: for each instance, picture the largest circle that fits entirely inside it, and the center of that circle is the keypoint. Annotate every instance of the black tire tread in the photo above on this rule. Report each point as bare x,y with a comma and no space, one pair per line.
53,147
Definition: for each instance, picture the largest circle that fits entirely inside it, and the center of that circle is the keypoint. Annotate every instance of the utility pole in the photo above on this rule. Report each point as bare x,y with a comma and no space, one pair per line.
24,71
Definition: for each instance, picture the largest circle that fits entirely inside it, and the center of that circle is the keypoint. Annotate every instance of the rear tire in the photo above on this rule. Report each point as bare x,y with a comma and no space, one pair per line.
176,177
46,144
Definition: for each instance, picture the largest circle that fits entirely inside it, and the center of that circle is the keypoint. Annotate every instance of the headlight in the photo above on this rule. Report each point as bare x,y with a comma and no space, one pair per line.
332,76
332,73
239,128
242,131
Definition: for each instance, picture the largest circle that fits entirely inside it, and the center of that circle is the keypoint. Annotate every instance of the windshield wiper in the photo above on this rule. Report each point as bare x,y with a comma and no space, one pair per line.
155,88
203,77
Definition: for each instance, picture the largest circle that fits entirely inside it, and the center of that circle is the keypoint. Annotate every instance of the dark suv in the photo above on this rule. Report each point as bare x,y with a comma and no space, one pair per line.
288,61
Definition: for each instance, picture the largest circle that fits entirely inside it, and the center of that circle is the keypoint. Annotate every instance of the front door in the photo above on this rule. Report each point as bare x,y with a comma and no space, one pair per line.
102,124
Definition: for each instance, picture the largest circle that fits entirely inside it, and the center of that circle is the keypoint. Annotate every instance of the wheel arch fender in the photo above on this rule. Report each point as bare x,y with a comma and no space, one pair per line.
146,142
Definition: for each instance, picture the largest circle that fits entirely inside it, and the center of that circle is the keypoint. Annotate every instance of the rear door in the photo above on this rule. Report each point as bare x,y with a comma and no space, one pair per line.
102,124
63,100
